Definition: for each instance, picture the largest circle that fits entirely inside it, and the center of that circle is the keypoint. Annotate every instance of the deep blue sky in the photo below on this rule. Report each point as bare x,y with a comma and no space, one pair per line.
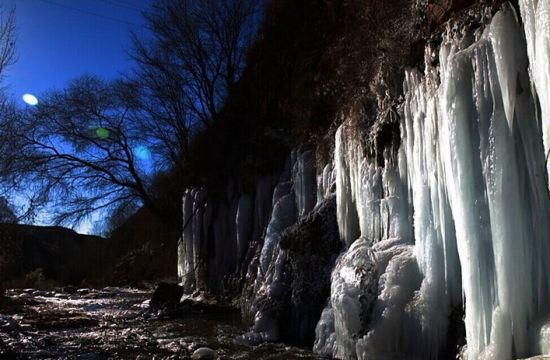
58,40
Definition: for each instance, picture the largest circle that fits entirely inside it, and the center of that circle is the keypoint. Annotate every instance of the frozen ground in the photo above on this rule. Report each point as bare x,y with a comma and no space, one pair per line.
113,323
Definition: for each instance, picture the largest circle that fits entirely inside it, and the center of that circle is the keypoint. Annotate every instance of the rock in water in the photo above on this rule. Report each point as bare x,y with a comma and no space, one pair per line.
204,353
166,296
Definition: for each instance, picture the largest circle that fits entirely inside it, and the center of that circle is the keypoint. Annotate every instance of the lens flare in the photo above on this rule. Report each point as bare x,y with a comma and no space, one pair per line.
30,99
102,133
142,153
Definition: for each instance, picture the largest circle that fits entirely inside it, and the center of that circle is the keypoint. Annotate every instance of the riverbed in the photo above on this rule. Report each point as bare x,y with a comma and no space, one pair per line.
114,323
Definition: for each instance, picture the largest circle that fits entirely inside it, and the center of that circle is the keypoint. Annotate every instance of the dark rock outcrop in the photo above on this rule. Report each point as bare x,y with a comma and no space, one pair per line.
313,244
300,279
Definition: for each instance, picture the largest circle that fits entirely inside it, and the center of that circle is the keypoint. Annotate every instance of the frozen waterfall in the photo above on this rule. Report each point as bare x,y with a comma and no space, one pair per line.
473,164
449,231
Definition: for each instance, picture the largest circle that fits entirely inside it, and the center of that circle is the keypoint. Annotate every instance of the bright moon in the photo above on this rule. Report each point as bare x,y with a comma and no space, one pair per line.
30,99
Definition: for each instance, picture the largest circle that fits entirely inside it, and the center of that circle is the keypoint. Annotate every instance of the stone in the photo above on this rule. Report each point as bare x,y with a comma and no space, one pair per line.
166,296
204,353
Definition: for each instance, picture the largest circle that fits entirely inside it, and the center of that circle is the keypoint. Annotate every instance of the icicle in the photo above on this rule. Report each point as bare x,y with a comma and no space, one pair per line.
186,266
284,215
474,164
358,190
536,20
348,221
325,183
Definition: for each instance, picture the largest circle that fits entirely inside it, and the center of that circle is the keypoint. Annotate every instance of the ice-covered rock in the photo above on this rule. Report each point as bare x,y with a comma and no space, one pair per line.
218,232
312,247
291,294
396,321
353,295
325,334
294,264
284,215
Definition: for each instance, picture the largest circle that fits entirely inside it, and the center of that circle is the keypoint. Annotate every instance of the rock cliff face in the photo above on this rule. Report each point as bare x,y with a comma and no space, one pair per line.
434,205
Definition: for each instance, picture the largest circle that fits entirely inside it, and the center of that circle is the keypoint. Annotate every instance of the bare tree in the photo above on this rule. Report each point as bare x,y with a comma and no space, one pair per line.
7,216
80,150
7,39
7,57
198,47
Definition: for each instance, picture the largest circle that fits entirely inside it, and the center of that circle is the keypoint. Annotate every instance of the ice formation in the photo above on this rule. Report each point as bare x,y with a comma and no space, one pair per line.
221,235
455,218
217,233
536,19
325,180
294,196
474,165
484,136
189,245
372,310
284,215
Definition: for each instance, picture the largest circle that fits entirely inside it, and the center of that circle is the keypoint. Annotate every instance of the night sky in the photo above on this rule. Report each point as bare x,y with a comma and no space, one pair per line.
58,40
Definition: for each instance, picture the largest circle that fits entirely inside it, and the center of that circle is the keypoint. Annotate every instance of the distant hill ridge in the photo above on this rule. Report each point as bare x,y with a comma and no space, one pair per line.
64,255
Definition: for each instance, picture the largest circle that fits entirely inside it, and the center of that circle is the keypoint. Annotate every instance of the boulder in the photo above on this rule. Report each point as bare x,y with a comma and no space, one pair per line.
166,296
204,353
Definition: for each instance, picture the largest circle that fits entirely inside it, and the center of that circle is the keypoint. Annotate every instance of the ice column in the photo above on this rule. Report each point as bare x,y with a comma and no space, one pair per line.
473,147
536,20
473,160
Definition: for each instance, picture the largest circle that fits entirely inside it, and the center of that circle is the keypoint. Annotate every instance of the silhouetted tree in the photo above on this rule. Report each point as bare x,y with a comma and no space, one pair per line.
7,39
82,149
7,215
195,54
7,57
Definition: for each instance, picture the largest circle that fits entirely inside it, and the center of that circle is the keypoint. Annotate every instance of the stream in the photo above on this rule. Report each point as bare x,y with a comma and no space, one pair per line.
113,323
